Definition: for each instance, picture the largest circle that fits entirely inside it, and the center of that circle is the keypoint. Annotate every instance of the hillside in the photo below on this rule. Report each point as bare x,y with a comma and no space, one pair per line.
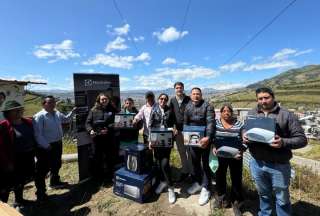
297,89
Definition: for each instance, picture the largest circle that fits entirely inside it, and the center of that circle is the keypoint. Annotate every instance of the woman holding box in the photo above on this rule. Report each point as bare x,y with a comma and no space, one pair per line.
228,127
160,117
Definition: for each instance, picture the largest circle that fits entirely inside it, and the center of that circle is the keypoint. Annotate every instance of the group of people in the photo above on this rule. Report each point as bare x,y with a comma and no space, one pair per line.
22,139
269,166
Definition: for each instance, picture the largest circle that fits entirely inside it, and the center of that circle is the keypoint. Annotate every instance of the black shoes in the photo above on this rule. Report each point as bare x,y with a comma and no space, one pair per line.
236,208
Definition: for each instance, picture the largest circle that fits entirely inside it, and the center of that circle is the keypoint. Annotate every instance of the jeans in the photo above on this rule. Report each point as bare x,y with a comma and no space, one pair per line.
272,178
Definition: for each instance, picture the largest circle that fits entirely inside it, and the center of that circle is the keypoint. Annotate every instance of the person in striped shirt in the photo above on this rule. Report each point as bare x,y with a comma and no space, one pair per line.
226,127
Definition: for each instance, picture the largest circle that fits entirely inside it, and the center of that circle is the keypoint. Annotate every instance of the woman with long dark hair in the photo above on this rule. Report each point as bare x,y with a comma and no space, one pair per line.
160,117
99,125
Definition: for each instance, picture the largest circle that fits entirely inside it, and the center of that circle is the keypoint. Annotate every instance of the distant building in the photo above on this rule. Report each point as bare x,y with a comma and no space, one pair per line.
13,90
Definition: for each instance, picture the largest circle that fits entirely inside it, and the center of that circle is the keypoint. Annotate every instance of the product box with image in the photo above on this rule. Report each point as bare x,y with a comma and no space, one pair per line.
260,129
193,134
161,137
227,144
134,186
123,120
138,158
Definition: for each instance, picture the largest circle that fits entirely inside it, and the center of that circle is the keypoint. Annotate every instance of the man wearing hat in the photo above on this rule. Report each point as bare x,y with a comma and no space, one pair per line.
17,151
144,115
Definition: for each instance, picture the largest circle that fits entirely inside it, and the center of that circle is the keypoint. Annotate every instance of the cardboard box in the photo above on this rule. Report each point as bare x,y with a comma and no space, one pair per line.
260,129
161,137
138,159
134,186
227,146
123,120
193,134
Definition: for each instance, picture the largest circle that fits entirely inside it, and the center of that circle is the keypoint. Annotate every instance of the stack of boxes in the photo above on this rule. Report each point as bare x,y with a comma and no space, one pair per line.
137,179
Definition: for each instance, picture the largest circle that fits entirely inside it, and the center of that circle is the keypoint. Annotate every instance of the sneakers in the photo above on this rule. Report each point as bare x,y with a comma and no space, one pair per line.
204,196
161,187
172,196
195,187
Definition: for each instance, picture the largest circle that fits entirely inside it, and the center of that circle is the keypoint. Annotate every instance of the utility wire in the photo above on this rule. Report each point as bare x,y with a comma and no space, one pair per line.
125,22
259,32
182,26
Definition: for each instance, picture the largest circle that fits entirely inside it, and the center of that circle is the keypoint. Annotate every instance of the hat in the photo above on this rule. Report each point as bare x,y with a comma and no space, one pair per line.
149,94
11,105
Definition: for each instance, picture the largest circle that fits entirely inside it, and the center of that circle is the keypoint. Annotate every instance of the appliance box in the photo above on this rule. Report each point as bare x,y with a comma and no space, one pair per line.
134,186
123,120
193,134
161,137
227,146
260,129
138,158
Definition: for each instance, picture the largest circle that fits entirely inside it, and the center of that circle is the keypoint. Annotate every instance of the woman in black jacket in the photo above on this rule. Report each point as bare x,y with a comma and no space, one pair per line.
160,117
99,125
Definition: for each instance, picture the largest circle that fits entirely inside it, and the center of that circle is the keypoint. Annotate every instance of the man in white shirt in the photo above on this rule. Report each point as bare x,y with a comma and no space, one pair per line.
48,133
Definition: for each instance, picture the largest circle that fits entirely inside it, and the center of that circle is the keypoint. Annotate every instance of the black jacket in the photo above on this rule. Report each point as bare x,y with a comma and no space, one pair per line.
287,127
201,114
157,119
98,118
178,112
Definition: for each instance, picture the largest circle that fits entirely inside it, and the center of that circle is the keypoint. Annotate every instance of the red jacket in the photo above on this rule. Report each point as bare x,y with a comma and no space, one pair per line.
7,144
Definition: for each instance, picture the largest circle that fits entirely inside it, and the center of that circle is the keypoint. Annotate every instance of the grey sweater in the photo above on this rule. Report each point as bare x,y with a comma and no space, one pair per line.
287,127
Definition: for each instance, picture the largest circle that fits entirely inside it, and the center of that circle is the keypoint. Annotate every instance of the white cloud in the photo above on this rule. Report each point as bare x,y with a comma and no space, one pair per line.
169,60
117,44
138,39
233,67
169,34
56,52
115,61
34,78
226,86
288,52
303,52
152,82
270,65
283,54
190,73
124,30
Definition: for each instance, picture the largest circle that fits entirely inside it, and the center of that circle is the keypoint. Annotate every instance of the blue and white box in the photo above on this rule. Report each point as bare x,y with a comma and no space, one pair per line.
260,129
138,158
161,137
193,134
134,186
124,120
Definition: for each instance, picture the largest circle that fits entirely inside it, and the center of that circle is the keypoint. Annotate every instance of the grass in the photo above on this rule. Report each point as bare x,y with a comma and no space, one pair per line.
306,184
314,152
69,146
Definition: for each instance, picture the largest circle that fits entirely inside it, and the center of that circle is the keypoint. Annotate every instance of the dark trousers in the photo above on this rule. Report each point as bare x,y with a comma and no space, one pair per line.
48,160
235,167
162,156
24,172
200,162
105,156
24,168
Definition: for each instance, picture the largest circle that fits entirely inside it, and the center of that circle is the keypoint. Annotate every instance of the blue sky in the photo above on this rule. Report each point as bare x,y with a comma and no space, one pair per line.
152,47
